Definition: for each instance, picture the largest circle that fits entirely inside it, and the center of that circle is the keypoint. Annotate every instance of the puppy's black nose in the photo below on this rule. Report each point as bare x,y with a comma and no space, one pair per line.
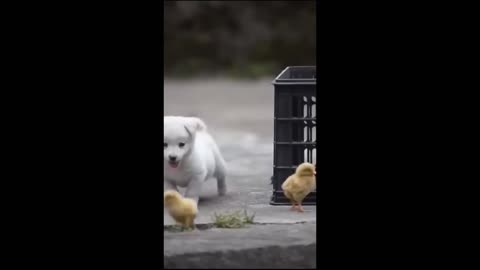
172,158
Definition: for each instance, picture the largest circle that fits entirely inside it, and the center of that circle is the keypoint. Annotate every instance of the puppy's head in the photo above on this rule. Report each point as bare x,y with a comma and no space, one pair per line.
178,138
306,169
171,197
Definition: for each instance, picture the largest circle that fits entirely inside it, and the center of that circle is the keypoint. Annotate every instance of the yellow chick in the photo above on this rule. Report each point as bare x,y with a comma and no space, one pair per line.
298,185
182,210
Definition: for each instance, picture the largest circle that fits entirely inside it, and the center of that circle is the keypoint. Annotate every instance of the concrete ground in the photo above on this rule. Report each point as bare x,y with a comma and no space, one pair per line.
239,116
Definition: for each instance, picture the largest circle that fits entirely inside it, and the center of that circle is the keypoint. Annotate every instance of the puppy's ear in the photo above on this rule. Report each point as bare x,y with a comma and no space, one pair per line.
188,131
194,124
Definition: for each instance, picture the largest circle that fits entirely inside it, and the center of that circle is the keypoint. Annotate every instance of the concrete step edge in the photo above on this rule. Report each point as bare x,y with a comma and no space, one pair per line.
281,257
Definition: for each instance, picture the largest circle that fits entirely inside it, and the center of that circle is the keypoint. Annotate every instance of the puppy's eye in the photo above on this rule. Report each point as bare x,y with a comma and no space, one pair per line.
165,145
181,144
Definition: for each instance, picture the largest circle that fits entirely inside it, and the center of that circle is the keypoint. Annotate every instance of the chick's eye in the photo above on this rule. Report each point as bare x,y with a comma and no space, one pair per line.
165,145
181,144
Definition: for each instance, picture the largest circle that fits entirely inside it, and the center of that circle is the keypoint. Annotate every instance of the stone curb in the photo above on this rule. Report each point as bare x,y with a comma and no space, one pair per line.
285,246
270,257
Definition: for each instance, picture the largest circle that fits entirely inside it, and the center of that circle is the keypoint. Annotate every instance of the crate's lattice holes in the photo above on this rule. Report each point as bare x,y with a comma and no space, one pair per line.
309,107
314,131
305,107
310,155
309,131
314,107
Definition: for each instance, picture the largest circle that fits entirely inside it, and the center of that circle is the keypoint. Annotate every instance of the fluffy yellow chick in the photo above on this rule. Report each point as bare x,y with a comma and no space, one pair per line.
298,185
182,210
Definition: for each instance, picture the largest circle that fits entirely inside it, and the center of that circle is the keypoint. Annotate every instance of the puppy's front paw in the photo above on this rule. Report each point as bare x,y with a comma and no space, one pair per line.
222,191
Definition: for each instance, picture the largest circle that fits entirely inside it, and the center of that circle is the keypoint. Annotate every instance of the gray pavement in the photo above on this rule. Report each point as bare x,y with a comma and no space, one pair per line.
239,115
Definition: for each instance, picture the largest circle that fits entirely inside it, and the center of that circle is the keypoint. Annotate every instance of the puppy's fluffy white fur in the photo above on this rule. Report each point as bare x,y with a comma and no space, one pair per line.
197,157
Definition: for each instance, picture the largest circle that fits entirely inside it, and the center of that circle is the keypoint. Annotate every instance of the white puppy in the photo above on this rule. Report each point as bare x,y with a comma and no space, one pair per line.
190,156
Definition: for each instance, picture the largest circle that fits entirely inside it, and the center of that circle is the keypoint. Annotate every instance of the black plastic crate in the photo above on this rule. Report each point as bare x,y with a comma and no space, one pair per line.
295,120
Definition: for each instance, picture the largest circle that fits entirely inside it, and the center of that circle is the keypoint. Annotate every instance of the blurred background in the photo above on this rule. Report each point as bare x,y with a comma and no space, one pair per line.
246,39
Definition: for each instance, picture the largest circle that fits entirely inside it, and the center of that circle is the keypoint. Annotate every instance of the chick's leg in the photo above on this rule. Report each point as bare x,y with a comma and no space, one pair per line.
179,221
294,206
299,199
289,197
300,208
189,222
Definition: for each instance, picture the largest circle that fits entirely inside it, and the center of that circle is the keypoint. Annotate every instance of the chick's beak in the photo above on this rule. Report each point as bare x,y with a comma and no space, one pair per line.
314,173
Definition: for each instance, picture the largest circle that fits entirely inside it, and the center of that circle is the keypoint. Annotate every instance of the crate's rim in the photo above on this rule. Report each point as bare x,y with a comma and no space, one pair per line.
286,203
278,81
